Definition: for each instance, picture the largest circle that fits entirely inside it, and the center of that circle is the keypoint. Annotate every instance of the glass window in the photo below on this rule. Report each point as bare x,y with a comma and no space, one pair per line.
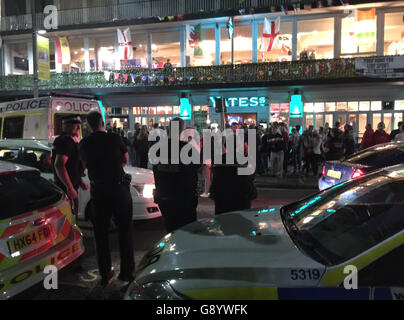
353,106
376,105
377,118
399,105
363,121
340,223
387,117
139,45
329,119
341,106
17,55
24,192
364,105
76,56
319,107
9,154
358,34
13,127
104,58
308,107
242,45
166,45
398,117
330,106
309,120
281,48
204,52
394,33
368,157
315,39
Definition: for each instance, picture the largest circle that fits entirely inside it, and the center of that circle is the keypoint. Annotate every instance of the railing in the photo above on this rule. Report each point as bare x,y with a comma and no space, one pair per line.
139,9
240,75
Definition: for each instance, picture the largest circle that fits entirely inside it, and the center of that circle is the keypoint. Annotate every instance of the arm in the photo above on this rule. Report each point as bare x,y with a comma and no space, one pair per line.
60,169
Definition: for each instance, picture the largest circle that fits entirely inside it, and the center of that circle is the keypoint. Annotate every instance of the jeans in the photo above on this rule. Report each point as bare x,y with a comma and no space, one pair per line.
277,163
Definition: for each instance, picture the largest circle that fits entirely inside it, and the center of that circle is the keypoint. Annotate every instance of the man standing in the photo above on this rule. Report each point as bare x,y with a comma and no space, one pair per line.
396,132
67,167
276,146
176,184
380,136
104,154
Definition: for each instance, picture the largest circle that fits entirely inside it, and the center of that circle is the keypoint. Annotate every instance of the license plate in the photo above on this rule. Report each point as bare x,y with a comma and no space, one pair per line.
334,174
29,239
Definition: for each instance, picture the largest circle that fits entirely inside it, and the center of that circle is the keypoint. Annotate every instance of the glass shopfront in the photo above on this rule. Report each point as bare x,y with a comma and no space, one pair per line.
148,116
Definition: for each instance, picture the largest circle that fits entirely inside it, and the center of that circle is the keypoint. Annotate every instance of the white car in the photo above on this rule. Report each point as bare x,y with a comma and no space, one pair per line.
310,249
37,154
37,229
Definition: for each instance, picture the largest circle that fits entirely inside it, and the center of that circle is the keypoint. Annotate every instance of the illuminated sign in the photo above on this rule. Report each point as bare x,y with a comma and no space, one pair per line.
230,28
185,109
296,106
242,102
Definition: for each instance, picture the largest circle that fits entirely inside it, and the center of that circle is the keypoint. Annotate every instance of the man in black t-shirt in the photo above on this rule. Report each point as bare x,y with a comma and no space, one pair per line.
67,167
104,155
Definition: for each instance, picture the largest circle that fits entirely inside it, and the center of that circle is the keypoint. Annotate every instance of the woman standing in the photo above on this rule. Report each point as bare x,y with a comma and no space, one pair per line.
142,147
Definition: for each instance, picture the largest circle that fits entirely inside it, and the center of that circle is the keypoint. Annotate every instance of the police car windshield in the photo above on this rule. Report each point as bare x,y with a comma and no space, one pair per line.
341,222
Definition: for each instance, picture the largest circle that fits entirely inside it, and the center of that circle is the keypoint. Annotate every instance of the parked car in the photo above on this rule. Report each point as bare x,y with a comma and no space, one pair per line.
360,163
36,154
300,251
37,228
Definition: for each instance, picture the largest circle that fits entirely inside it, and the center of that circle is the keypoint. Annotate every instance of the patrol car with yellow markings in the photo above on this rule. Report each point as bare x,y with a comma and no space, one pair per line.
320,247
37,229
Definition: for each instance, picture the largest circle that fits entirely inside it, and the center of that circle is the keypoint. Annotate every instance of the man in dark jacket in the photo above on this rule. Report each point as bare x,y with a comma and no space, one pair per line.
176,184
334,147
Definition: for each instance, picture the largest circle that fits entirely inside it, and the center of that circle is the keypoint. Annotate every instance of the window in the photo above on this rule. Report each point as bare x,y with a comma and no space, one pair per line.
394,33
166,45
281,48
340,223
204,52
376,106
319,107
24,192
85,128
37,158
139,47
364,105
329,106
77,56
242,45
341,106
372,156
315,39
399,105
308,107
17,56
13,127
358,34
353,106
104,53
9,154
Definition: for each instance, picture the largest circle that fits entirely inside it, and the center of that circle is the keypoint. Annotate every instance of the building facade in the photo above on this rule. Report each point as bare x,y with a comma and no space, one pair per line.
324,51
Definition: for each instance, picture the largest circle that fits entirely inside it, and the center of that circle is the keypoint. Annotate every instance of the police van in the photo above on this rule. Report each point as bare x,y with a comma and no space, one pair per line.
41,118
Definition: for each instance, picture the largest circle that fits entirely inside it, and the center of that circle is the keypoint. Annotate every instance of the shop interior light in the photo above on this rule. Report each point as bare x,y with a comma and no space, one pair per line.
41,31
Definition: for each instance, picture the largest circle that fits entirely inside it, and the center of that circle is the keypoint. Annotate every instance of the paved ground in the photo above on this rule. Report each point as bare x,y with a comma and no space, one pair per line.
83,284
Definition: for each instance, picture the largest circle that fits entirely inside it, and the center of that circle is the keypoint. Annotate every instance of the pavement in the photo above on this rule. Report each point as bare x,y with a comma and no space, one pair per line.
290,181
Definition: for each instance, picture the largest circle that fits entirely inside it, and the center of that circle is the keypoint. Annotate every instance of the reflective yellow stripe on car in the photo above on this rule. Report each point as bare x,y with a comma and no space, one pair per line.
336,276
234,294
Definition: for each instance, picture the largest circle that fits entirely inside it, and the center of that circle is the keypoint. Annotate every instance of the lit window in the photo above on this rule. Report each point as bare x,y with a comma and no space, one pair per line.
330,106
319,107
376,105
394,34
308,107
341,106
399,105
353,106
364,105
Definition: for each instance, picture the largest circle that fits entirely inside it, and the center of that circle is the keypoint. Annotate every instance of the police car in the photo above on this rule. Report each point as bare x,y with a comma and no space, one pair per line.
309,249
37,154
37,229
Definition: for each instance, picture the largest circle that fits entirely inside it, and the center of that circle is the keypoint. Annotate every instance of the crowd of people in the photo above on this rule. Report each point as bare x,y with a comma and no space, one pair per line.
280,153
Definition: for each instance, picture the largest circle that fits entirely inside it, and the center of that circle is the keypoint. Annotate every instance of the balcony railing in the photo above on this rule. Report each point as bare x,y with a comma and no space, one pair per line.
139,9
240,75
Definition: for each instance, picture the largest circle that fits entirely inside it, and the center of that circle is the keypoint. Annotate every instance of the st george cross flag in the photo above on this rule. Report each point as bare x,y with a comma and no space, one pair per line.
125,44
270,34
365,26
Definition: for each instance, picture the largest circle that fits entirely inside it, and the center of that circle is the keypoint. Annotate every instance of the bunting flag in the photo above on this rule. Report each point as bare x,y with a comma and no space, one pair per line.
365,26
180,17
144,79
273,8
134,78
319,67
161,79
171,79
63,50
270,34
116,77
307,7
125,44
107,75
193,38
285,10
125,77
171,18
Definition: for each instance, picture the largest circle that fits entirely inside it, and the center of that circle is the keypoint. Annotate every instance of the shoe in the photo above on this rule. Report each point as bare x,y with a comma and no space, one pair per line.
105,281
126,278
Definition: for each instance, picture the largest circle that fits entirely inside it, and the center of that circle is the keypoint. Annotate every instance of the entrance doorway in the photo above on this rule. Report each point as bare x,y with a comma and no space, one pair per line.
247,118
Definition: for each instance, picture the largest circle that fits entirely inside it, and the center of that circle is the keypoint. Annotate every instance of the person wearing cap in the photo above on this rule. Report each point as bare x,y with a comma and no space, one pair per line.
67,166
